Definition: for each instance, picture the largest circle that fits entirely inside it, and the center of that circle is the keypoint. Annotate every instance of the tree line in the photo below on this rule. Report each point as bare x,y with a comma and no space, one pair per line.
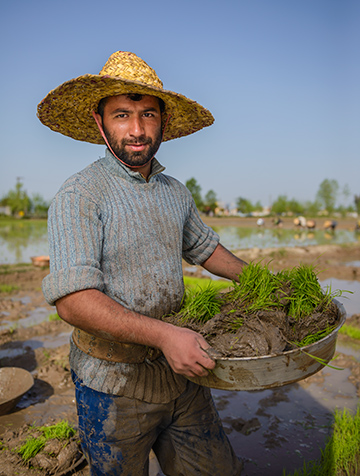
326,200
20,204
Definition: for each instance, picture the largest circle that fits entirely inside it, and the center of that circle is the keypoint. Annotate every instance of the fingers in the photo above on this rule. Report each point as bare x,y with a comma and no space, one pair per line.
188,353
212,353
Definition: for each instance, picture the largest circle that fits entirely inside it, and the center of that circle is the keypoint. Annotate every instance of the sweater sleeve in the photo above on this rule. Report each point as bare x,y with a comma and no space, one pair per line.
75,236
199,240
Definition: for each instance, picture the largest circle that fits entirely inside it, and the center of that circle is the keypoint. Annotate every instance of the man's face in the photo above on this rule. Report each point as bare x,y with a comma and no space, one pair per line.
133,128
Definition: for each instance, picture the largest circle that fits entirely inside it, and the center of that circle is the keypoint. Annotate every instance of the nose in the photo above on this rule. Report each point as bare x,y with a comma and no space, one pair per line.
136,126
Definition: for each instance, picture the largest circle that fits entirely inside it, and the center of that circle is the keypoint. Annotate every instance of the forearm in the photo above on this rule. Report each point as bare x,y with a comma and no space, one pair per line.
224,263
99,315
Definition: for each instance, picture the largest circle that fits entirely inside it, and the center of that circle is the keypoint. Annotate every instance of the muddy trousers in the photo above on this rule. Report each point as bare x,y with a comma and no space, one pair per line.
117,434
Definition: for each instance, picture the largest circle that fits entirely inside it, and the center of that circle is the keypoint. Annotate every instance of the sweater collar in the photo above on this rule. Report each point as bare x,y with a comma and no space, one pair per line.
119,169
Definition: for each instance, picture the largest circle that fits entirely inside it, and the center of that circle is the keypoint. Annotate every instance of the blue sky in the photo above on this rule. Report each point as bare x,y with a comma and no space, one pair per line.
281,77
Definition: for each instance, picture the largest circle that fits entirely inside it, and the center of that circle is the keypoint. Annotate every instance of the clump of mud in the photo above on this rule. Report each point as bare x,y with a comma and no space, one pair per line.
261,332
56,457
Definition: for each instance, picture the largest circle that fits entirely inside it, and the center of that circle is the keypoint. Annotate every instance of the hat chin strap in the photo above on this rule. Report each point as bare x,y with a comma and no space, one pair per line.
110,148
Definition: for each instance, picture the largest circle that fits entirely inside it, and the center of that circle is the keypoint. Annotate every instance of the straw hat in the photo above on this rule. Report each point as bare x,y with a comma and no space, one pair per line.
68,108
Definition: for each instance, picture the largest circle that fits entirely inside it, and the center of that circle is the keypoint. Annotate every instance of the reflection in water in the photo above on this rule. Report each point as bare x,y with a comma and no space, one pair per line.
242,238
350,299
22,239
25,238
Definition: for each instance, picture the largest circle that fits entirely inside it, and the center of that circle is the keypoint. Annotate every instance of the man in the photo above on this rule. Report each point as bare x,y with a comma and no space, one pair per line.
118,231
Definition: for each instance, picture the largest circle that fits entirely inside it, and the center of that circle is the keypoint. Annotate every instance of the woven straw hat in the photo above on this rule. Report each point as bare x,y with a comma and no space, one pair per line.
68,108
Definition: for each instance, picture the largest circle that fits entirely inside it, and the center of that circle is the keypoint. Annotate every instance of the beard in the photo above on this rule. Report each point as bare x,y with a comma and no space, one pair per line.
131,158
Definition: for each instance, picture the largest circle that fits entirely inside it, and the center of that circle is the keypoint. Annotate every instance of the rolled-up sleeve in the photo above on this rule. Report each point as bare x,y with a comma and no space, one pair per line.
199,240
75,235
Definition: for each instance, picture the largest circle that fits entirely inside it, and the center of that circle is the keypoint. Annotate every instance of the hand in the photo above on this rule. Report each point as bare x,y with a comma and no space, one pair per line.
184,350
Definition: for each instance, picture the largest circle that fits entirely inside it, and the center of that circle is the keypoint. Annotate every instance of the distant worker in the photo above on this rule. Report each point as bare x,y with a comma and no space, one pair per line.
330,225
300,222
311,224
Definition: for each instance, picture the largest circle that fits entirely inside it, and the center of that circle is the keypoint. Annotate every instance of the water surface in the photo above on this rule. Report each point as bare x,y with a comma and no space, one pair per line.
20,240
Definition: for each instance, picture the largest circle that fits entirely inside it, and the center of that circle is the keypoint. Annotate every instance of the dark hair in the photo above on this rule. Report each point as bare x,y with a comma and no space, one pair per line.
133,97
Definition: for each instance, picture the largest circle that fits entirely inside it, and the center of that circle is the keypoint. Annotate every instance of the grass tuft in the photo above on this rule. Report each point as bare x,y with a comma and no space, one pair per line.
201,304
255,289
341,454
32,446
350,331
8,288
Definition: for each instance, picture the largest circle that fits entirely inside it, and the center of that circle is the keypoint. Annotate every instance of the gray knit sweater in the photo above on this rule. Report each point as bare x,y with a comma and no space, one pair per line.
112,230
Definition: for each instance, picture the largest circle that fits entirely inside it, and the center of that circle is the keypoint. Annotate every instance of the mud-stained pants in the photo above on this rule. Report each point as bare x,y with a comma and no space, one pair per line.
117,434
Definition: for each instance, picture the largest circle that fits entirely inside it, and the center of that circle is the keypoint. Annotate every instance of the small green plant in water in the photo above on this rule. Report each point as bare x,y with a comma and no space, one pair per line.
341,453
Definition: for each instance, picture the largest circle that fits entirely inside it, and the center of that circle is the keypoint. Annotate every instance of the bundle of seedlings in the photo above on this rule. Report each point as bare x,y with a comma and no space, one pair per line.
50,449
264,313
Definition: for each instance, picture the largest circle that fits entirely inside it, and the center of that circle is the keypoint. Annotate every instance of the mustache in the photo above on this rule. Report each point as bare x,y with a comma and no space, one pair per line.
142,140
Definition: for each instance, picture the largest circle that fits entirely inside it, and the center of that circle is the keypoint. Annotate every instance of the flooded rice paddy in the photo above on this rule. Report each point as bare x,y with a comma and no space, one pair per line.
20,241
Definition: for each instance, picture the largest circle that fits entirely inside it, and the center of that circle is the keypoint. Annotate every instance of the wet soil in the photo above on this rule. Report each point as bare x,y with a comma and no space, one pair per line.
260,333
270,429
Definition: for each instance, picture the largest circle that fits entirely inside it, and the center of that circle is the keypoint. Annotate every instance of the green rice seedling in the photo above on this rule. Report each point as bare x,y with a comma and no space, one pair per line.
201,304
255,289
60,431
32,446
306,291
236,323
311,338
191,282
340,456
307,294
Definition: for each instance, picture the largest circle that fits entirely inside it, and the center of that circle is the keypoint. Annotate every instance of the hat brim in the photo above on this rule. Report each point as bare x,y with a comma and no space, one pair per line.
68,108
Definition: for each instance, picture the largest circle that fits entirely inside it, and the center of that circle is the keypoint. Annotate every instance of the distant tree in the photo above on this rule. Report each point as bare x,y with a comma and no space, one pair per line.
210,202
327,194
244,205
195,190
296,207
357,203
346,192
258,207
39,207
18,200
280,205
312,208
